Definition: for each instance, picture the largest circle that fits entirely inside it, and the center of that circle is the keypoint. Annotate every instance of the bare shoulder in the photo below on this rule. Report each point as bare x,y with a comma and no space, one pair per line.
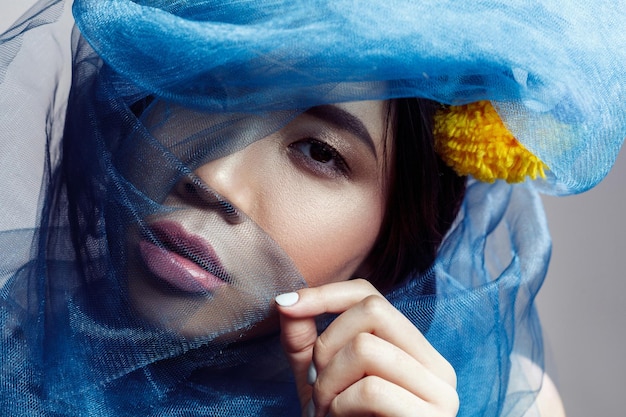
549,402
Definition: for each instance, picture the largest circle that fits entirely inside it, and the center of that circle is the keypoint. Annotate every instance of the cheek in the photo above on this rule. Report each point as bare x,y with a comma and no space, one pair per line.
327,232
340,245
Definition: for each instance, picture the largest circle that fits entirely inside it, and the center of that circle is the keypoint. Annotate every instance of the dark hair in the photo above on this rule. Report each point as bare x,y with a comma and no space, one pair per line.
424,197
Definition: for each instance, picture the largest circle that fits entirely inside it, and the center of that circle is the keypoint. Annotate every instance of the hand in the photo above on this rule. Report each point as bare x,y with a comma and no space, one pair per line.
371,360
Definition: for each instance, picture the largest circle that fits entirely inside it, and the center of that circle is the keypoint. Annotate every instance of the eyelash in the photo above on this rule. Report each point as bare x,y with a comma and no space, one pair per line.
304,151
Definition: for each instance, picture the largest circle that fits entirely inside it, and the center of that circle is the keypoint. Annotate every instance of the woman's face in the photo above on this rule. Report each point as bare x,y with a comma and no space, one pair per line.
316,187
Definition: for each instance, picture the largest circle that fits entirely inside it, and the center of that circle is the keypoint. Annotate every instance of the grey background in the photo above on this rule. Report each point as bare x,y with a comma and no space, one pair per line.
583,302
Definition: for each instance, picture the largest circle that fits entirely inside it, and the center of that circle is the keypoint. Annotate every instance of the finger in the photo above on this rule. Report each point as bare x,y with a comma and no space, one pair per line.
367,355
375,315
336,297
298,336
375,396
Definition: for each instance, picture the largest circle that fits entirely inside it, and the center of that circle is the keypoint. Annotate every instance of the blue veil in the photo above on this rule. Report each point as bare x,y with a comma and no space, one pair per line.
78,337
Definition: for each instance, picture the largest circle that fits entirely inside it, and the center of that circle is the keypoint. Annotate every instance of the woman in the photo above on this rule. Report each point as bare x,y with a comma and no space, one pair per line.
216,156
319,187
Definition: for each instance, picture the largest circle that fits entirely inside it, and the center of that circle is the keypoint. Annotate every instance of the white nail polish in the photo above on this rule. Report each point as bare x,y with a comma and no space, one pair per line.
311,376
310,409
287,299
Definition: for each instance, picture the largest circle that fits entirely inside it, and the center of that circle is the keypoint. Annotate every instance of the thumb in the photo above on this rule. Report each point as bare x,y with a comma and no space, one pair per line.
298,336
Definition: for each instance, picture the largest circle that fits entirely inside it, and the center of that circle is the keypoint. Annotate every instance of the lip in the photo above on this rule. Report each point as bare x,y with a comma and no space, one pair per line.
183,260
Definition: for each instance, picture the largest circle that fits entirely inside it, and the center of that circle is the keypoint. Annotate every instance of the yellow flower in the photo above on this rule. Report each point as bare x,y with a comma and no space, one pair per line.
473,140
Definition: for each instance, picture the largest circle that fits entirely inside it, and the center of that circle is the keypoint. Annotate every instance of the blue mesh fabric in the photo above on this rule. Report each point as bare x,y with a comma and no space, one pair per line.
77,340
554,69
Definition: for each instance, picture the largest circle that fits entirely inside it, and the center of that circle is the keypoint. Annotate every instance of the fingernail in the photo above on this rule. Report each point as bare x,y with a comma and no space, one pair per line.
310,409
287,299
311,376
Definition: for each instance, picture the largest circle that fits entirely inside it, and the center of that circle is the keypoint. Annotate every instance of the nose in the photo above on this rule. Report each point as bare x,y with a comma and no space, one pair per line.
223,185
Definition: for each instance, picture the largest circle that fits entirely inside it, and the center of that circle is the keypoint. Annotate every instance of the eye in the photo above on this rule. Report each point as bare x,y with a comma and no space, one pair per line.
319,157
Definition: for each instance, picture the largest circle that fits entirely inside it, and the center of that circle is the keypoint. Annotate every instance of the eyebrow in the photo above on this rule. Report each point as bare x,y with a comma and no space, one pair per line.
343,120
